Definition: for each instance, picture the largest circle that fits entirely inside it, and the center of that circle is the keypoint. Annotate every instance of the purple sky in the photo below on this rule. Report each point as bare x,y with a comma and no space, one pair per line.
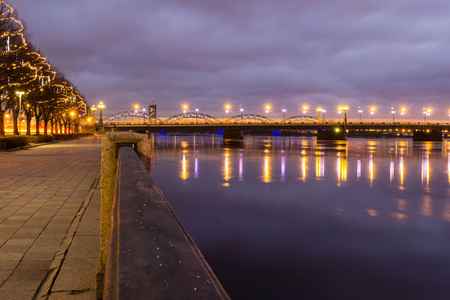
323,52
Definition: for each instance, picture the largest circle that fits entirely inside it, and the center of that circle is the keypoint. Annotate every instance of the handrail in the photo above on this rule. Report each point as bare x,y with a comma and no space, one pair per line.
150,254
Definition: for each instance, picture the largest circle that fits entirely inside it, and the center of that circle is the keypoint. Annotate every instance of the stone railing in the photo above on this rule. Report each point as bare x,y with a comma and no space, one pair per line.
148,253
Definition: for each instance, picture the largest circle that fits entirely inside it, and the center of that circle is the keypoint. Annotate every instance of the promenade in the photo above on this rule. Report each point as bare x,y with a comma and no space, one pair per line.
49,220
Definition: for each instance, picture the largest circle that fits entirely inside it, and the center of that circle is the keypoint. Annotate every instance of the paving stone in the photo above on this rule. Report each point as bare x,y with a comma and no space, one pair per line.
42,191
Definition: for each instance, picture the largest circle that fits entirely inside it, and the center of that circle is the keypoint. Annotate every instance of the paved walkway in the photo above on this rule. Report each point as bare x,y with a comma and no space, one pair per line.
45,192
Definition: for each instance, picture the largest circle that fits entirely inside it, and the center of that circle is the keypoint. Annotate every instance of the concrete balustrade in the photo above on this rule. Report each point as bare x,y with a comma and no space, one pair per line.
147,252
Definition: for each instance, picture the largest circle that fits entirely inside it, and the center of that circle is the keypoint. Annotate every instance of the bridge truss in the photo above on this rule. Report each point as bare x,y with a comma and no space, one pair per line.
130,117
190,117
252,118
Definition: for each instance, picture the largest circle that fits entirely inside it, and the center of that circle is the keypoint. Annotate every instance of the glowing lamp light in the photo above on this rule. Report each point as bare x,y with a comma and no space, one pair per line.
337,130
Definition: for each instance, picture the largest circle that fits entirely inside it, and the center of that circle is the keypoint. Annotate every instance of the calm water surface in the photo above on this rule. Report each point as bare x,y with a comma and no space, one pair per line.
293,218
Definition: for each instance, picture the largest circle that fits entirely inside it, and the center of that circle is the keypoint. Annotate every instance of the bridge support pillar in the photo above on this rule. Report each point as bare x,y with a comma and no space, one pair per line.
233,135
332,134
427,136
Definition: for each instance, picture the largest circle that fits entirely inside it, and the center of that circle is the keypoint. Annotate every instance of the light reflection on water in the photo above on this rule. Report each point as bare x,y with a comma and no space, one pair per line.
314,220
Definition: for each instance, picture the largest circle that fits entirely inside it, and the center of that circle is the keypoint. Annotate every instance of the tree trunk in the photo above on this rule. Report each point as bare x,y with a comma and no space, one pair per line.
2,123
52,123
16,128
37,117
45,126
29,117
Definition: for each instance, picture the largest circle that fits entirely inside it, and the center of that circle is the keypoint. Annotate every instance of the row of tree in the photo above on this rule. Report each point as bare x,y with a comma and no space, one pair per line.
29,86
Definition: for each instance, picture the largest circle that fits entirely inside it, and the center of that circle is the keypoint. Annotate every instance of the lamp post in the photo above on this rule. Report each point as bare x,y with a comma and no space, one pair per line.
305,109
227,110
319,110
20,110
393,114
402,112
136,113
372,112
267,111
196,115
345,108
339,113
360,113
428,114
242,113
143,116
93,109
323,115
101,106
284,114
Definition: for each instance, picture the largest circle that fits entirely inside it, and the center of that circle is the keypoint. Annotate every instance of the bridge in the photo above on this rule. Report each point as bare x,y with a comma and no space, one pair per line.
194,122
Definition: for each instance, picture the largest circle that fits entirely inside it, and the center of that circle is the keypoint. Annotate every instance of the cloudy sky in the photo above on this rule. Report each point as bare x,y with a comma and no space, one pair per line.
321,52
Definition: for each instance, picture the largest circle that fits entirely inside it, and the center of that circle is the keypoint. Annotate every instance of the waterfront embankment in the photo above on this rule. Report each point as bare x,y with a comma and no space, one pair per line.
49,220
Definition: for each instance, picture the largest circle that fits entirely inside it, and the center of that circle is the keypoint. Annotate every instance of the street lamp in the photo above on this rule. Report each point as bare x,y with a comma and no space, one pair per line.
339,113
372,112
267,111
242,112
323,115
101,106
93,109
345,108
319,110
227,110
143,115
402,112
428,114
136,113
185,108
20,110
393,114
196,115
284,114
360,112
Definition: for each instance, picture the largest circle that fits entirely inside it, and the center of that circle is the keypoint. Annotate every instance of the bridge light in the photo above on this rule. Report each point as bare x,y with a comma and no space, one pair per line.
305,109
372,112
337,129
227,110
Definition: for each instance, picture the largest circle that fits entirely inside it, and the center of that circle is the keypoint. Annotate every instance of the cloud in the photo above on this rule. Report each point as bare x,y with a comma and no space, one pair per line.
208,50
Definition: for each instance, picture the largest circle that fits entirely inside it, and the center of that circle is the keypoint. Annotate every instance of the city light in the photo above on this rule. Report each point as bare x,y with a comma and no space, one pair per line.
101,106
227,110
402,112
305,110
372,112
267,110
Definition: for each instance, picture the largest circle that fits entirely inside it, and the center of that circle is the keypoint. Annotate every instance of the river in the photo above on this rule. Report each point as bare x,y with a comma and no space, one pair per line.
293,218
